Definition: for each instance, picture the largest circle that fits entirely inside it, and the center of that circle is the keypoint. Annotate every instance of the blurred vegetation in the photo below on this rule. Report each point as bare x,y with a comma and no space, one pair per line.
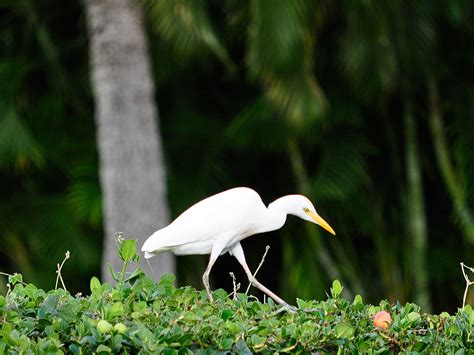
364,106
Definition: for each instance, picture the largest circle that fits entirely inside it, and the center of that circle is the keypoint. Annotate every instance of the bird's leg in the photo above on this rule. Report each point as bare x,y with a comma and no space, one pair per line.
205,277
238,252
205,280
262,288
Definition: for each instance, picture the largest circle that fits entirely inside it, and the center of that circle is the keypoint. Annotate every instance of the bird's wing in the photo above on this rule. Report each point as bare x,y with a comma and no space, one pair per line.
223,214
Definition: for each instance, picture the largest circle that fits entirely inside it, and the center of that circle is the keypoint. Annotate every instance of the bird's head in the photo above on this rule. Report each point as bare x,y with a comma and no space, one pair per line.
304,209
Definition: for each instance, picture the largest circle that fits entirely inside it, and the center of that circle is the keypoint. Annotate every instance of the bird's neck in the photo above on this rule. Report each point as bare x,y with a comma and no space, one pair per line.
276,214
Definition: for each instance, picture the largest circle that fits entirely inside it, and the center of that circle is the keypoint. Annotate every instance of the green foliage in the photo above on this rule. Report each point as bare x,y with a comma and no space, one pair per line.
236,82
336,289
186,27
18,148
280,49
127,250
84,195
46,139
142,315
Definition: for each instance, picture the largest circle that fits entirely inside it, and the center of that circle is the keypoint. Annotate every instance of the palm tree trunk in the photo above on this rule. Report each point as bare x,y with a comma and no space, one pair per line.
132,173
451,180
415,218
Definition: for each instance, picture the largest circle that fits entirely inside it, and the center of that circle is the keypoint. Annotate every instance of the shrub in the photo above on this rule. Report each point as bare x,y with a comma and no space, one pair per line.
140,315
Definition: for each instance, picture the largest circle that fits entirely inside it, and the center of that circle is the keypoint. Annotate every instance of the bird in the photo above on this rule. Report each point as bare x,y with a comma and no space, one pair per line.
217,225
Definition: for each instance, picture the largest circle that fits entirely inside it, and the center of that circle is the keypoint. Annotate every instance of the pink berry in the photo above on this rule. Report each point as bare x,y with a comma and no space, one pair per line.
382,320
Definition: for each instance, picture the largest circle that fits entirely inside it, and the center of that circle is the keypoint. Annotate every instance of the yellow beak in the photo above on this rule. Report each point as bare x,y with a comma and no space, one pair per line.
317,218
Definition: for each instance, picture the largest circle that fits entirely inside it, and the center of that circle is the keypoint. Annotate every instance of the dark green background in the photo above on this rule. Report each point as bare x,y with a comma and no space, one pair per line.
374,62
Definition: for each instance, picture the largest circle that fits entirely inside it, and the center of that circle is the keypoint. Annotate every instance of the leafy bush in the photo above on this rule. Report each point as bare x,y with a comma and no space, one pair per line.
140,315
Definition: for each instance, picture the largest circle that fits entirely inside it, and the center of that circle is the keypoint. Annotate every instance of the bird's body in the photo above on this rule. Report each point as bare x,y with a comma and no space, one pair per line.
217,224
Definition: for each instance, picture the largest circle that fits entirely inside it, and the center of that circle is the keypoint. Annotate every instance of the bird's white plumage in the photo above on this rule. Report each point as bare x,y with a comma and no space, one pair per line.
217,224
228,214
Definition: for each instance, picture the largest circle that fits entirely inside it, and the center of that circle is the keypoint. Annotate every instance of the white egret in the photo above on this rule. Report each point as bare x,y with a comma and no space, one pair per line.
217,224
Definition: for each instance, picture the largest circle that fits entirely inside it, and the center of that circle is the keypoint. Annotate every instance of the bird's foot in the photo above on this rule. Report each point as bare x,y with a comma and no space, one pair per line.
290,308
285,308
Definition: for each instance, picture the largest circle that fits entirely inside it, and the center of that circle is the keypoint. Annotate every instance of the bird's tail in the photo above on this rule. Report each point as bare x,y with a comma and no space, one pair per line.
148,255
154,245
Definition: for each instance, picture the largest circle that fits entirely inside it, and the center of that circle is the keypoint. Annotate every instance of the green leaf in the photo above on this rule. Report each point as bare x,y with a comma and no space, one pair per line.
50,304
241,348
75,348
344,330
11,338
15,278
120,328
358,300
373,309
234,328
139,306
257,340
116,310
471,319
95,285
128,249
336,289
413,316
301,304
138,273
444,315
358,303
167,279
103,349
220,294
112,273
104,327
227,314
226,343
68,311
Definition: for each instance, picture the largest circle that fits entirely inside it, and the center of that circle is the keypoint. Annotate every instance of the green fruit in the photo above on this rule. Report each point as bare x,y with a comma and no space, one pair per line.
120,328
104,327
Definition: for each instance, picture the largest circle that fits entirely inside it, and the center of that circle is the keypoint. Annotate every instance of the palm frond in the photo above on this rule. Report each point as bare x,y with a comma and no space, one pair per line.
277,36
12,72
280,55
18,148
412,32
186,26
298,97
386,44
84,195
258,126
367,52
343,169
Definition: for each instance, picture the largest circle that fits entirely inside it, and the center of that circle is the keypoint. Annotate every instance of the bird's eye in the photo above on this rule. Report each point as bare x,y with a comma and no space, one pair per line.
306,209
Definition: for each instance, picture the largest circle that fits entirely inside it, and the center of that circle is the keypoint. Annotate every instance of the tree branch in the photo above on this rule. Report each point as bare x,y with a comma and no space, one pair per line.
468,281
258,268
